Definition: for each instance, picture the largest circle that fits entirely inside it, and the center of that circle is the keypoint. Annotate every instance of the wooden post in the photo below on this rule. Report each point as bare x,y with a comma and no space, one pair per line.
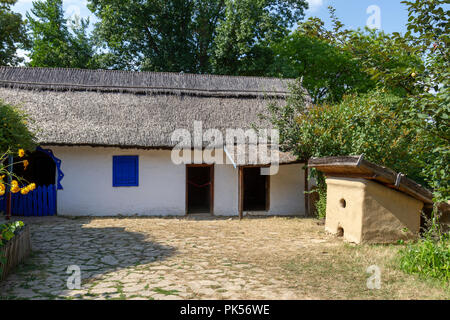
306,187
241,192
8,187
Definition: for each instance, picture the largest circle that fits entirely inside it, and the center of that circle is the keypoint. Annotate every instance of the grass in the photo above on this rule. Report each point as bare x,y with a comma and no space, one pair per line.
428,258
165,292
342,274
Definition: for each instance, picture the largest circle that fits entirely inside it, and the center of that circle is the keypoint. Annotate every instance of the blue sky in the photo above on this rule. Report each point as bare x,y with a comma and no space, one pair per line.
393,14
353,13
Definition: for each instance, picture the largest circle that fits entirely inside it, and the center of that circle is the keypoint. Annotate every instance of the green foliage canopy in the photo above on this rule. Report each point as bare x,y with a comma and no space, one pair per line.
428,109
13,34
54,43
361,124
341,61
196,36
399,117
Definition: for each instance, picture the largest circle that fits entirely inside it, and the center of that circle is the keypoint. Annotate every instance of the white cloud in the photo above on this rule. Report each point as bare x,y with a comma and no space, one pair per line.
315,5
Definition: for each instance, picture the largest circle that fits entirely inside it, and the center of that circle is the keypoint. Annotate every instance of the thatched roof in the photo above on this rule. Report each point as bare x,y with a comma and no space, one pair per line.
141,82
134,109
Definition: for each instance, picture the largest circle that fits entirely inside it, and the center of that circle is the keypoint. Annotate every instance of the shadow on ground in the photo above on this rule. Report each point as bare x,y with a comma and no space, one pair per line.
59,243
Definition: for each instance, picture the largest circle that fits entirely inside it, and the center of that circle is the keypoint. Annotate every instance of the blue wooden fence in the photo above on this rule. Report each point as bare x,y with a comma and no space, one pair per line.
39,202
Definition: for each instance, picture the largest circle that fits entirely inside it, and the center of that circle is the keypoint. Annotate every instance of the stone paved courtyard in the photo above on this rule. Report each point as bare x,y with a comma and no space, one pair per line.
178,258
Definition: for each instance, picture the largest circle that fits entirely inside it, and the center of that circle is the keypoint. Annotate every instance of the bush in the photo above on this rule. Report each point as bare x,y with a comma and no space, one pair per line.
369,124
7,232
430,256
14,133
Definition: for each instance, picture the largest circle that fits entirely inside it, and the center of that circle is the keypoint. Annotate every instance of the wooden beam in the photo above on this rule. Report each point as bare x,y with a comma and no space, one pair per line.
241,192
186,192
306,190
267,193
211,189
8,187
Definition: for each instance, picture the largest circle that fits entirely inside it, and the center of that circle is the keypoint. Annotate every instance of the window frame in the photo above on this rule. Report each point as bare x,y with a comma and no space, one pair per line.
115,164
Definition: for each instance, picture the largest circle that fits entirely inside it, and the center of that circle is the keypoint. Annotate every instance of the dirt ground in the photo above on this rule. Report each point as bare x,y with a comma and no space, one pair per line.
205,258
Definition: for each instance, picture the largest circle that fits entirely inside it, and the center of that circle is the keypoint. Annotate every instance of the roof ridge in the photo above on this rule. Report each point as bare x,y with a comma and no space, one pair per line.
148,72
141,82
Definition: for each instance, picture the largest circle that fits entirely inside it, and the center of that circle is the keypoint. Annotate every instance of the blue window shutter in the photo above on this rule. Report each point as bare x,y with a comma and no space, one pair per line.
125,171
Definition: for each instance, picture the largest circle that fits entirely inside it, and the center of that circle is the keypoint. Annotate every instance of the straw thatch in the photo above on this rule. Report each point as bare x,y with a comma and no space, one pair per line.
134,109
141,82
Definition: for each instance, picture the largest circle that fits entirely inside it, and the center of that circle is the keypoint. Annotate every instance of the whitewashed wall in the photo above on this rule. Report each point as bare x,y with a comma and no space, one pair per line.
88,186
287,195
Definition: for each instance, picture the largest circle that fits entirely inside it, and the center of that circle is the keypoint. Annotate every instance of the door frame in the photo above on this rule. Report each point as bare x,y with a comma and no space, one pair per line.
211,189
241,189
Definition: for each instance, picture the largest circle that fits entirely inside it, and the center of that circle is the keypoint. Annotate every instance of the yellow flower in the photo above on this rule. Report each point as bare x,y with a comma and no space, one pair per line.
14,186
21,153
2,187
33,186
24,191
25,164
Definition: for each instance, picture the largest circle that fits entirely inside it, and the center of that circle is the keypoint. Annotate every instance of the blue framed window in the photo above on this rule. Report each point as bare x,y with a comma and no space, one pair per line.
125,171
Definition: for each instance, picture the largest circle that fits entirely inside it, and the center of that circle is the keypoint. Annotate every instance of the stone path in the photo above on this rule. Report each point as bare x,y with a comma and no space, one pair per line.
153,258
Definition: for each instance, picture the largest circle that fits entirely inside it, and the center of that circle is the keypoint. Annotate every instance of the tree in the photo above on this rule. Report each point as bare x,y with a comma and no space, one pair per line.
12,34
340,61
404,123
247,30
369,124
328,72
54,43
429,108
197,36
361,123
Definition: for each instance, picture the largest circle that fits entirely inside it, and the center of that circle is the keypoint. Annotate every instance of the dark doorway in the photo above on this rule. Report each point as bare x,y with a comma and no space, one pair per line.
41,169
199,188
256,190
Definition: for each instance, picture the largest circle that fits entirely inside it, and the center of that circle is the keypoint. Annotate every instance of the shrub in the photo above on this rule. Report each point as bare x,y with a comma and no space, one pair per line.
14,133
7,232
430,256
368,124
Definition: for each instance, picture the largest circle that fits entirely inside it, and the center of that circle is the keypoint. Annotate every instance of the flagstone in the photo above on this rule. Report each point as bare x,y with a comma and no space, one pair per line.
142,260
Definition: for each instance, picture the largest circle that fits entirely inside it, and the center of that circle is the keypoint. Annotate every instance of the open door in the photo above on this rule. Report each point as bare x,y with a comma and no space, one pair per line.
199,189
255,189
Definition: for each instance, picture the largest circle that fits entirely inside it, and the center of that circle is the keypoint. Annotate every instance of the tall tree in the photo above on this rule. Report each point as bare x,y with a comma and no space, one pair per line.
247,29
338,61
199,36
428,108
12,34
54,43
